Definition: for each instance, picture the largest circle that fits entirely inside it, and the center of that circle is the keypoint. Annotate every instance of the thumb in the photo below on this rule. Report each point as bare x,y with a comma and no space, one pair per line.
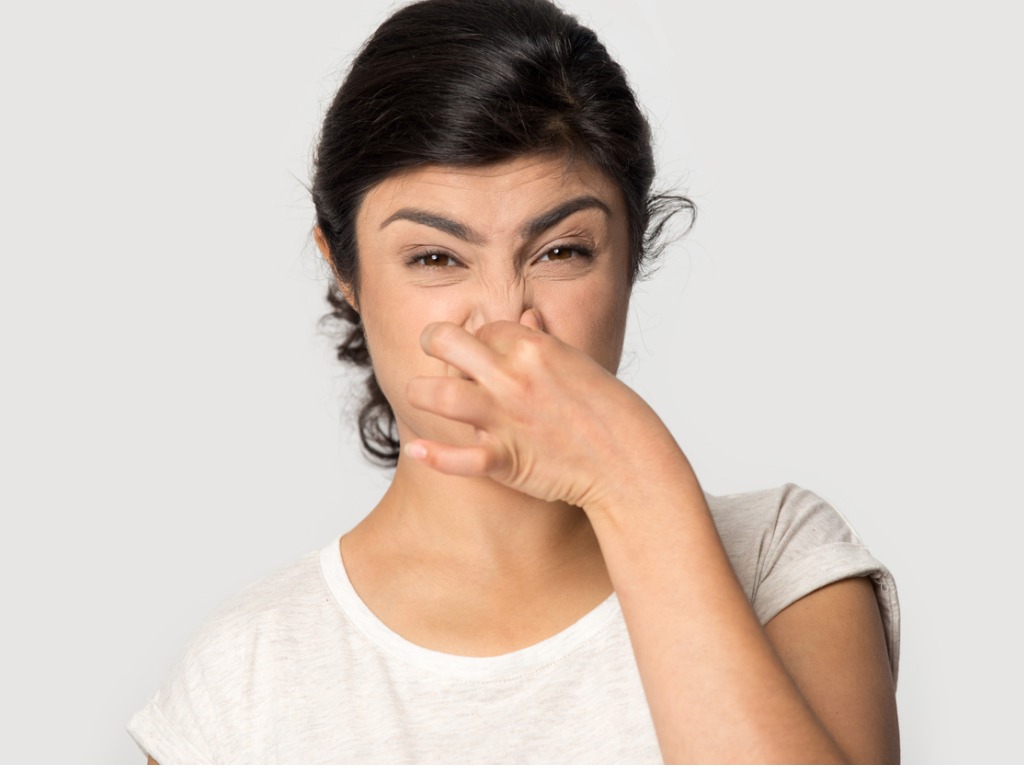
531,319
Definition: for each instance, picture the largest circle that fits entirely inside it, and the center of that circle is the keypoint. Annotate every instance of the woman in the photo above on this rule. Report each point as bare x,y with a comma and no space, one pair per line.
544,580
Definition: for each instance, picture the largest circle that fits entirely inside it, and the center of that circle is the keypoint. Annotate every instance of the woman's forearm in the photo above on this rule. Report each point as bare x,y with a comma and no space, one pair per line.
716,689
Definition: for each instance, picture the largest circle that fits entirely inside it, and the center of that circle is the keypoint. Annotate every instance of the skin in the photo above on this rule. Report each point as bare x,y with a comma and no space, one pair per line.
533,482
470,548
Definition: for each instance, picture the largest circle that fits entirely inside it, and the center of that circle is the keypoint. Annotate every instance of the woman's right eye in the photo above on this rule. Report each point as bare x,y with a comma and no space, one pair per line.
434,259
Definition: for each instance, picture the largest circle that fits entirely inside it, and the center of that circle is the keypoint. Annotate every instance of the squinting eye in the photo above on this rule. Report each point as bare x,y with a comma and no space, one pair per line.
562,253
434,260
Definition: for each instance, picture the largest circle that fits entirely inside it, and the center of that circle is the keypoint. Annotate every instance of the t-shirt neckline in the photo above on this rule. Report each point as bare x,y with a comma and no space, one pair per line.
479,668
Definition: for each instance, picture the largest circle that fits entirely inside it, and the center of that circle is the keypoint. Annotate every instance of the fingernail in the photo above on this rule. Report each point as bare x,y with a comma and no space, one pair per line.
415,451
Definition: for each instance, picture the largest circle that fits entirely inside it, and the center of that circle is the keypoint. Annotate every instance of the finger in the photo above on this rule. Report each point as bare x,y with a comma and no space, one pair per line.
452,398
505,336
459,348
522,349
531,319
475,461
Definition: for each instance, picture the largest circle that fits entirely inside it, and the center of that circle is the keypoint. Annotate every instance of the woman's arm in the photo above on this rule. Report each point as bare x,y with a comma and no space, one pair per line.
813,686
720,687
833,645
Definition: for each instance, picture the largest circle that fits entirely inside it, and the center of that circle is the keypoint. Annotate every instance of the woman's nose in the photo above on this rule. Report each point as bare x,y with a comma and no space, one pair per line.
506,302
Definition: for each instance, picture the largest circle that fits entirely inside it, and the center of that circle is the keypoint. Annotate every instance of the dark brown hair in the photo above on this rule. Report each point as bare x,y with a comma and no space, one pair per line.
464,83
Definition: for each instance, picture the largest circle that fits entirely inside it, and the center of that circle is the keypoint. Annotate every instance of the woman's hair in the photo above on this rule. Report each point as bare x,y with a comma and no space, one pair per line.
467,83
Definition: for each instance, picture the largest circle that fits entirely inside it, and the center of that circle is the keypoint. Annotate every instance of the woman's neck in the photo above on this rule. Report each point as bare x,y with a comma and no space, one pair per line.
479,523
466,566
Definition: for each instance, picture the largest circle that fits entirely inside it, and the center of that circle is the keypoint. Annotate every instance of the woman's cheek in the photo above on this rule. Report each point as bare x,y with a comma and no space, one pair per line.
393,338
590,318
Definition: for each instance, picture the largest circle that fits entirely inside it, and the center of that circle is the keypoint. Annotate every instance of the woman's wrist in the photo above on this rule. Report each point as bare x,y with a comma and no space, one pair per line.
650,475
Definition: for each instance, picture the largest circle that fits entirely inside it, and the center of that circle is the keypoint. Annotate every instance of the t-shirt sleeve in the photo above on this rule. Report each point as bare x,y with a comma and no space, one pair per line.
789,542
170,727
218,702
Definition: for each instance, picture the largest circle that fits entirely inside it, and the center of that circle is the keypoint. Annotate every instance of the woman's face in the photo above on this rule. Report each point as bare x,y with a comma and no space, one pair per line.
474,245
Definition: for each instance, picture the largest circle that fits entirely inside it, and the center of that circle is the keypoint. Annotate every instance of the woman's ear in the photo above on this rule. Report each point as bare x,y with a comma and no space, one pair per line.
325,251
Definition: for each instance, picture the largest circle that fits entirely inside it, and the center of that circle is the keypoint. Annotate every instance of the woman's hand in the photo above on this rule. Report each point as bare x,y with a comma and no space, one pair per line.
553,423
550,421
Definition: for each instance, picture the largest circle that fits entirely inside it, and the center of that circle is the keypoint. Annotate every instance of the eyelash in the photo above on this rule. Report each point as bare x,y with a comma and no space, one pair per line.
419,259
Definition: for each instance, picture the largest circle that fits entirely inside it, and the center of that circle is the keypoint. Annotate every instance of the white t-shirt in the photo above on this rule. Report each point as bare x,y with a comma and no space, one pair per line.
296,669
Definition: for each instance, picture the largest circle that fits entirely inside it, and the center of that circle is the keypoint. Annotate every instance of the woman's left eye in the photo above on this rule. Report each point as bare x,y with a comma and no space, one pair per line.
434,259
564,253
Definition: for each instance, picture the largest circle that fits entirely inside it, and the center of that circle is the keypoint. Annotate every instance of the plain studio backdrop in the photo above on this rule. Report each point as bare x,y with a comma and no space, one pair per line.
845,315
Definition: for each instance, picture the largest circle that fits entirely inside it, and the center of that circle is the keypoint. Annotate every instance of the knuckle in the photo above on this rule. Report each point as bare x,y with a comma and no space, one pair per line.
529,347
489,332
490,464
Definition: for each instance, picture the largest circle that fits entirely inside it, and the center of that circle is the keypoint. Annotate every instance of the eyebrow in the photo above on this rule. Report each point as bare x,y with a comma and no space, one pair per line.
532,228
428,219
547,220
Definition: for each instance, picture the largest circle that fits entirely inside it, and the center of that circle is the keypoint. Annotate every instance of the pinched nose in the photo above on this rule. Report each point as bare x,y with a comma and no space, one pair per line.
512,303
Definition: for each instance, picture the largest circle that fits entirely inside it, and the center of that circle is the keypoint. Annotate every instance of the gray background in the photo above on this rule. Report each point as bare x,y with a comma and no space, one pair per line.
845,315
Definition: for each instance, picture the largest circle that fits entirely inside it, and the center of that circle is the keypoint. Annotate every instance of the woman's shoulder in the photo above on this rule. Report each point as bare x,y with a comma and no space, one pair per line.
253,650
285,604
787,509
280,588
778,518
786,542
